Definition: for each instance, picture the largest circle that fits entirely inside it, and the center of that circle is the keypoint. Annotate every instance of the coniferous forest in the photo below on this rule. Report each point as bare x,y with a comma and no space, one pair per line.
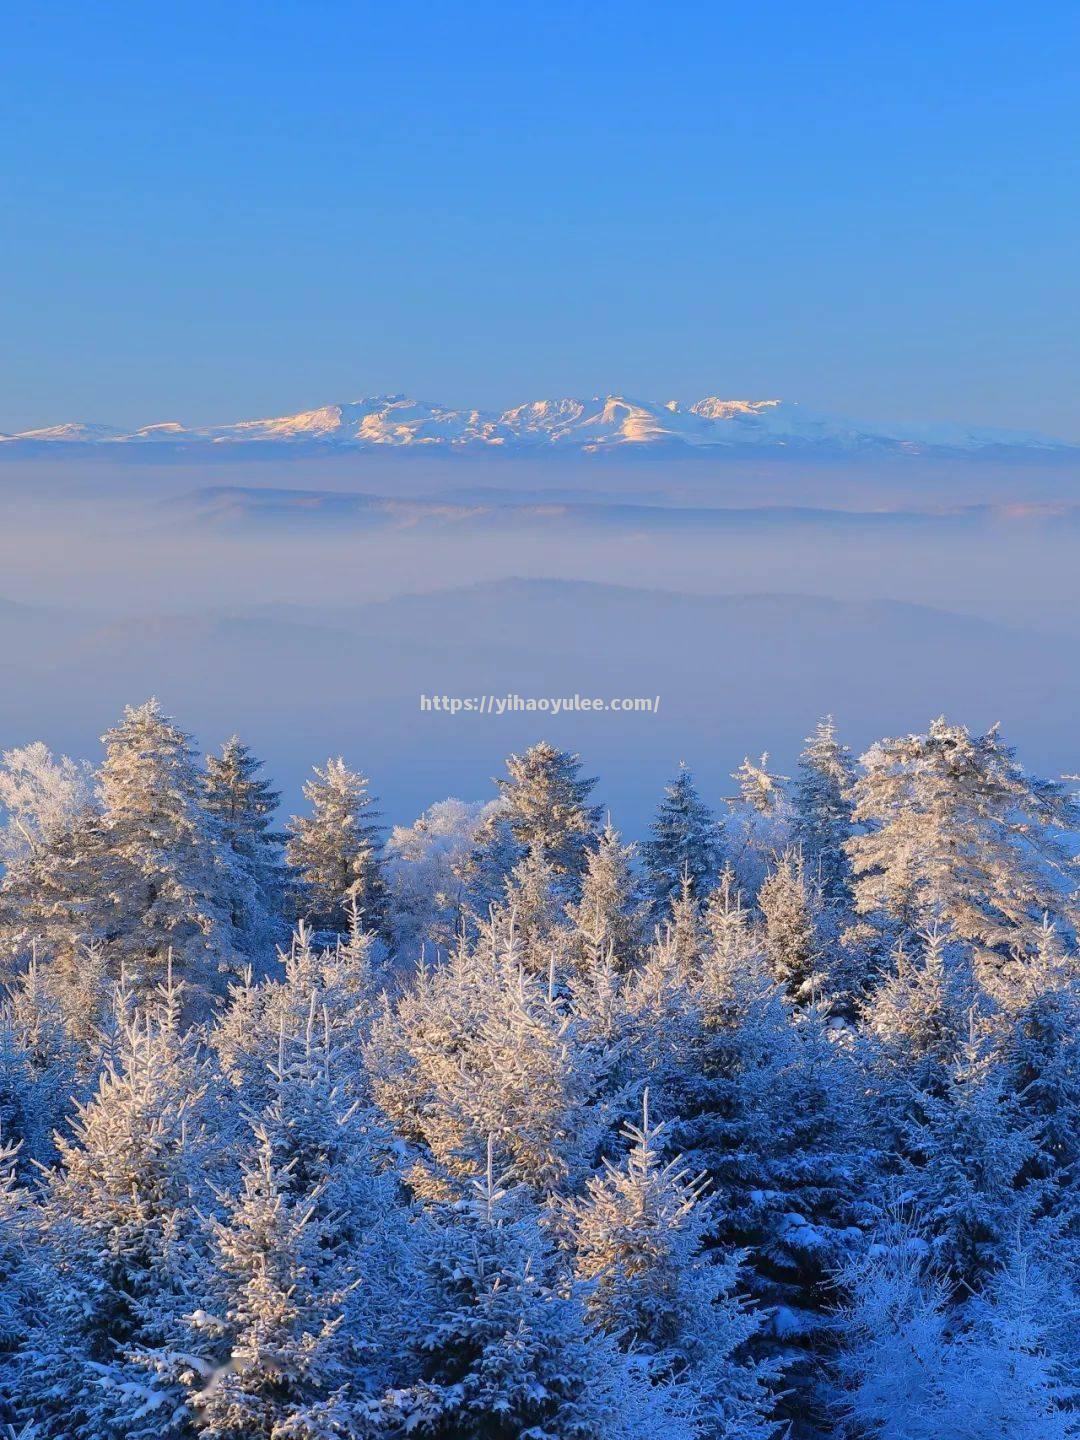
497,1127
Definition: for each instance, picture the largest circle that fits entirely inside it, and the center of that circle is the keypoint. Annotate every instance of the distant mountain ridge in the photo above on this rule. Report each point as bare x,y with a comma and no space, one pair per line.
611,423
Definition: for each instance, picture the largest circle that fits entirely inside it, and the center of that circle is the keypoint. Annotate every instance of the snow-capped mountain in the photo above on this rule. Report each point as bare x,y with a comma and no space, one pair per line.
603,423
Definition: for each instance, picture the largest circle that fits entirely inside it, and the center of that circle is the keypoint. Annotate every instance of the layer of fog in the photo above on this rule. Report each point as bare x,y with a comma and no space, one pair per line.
281,634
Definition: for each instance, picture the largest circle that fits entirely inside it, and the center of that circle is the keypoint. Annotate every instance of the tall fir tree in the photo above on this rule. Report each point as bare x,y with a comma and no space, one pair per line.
822,807
958,834
481,1050
334,851
609,917
686,839
270,1354
17,1228
913,1366
243,804
966,1151
173,872
501,1339
1038,1045
546,810
759,826
790,906
639,1238
119,1260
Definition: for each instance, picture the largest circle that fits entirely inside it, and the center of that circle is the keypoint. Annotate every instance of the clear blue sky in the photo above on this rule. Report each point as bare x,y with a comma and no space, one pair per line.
216,210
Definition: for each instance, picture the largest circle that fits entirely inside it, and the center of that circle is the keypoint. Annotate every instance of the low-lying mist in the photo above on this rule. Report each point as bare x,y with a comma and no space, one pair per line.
275,599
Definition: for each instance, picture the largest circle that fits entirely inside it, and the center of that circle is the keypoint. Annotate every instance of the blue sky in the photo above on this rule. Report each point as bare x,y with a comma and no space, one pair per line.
217,210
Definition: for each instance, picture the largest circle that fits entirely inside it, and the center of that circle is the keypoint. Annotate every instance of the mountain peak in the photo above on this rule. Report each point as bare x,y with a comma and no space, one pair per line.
587,426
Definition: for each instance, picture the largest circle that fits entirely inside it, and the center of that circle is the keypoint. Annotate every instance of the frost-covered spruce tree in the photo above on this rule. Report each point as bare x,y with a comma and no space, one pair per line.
958,834
770,1113
686,839
608,918
532,911
821,813
174,875
484,870
481,1048
914,1367
546,808
41,798
537,1085
341,983
914,1025
501,1341
1038,1046
270,1355
334,851
55,876
682,931
320,1146
759,826
687,978
1019,1355
427,878
243,803
730,946
660,1025
323,1128
328,1139
639,1237
790,907
16,1299
416,1044
965,1153
40,1069
119,1256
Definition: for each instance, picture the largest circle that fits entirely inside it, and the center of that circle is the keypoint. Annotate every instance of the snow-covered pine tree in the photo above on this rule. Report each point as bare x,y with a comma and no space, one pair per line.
40,1070
501,1340
17,1225
759,826
957,833
119,1257
965,1153
639,1239
530,910
914,1024
769,1110
481,1048
1018,1366
319,1144
269,1354
914,1367
244,803
683,930
790,907
686,839
491,859
173,873
661,1024
821,819
343,985
42,798
1038,1047
334,851
58,879
731,948
608,918
547,810
427,865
